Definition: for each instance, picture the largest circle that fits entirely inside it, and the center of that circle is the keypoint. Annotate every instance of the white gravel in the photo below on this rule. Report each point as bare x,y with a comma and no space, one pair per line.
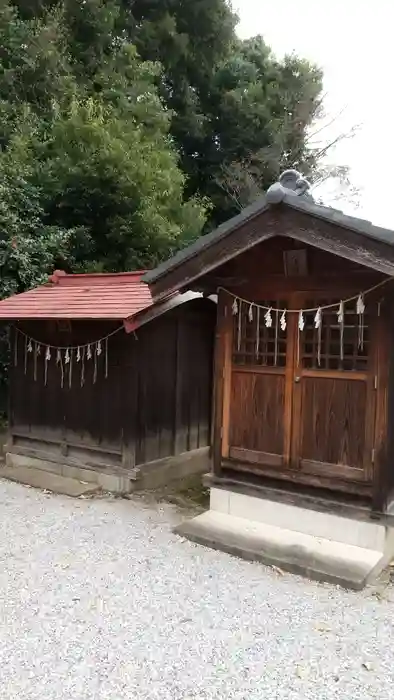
99,600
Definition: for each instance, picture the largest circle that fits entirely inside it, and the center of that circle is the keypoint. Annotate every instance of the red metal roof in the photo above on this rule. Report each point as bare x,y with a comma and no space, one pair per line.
88,296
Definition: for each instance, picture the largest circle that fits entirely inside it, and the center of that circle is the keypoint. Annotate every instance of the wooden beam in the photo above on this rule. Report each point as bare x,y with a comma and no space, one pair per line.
297,477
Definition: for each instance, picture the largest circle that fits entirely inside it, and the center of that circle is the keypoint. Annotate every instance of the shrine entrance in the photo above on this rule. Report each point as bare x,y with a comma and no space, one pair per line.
301,387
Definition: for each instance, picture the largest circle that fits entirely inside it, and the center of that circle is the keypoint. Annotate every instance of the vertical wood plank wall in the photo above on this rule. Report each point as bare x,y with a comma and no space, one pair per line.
156,401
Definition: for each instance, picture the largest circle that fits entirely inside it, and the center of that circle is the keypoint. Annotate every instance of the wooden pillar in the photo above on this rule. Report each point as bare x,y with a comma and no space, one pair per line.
179,443
383,467
222,381
126,377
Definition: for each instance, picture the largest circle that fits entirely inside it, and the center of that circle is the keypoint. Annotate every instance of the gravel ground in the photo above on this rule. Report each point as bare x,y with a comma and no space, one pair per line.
100,600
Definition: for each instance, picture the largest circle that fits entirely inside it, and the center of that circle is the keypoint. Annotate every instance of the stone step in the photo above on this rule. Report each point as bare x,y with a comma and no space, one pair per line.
363,533
42,479
315,557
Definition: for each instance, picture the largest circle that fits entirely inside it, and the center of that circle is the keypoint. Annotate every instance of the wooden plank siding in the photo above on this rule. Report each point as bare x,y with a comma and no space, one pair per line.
156,401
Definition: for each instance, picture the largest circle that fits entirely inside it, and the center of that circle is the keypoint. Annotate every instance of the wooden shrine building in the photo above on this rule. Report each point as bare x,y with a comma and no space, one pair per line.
106,385
304,379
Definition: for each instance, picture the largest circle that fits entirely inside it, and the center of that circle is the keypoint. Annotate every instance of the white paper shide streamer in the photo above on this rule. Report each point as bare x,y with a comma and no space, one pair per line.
268,318
360,311
280,315
318,322
341,322
63,357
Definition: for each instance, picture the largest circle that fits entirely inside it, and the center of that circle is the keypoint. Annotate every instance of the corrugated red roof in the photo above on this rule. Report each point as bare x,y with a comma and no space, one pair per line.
88,296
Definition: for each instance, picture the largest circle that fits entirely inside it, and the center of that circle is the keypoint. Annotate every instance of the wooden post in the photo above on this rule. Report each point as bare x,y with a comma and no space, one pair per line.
129,391
11,388
222,382
179,441
383,446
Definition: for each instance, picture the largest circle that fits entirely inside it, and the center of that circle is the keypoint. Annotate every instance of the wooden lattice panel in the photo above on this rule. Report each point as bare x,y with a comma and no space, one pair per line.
253,342
355,346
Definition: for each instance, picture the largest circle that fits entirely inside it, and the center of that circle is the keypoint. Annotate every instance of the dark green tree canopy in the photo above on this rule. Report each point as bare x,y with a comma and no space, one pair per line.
88,168
129,127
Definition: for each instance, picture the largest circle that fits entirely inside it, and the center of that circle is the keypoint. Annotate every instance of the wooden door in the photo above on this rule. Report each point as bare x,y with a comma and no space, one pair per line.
293,403
334,396
259,425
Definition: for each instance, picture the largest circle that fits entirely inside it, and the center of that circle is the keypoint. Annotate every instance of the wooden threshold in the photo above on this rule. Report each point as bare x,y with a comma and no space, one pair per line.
300,478
335,471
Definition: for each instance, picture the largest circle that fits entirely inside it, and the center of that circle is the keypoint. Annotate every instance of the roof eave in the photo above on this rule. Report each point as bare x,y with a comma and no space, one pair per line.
156,310
247,214
338,218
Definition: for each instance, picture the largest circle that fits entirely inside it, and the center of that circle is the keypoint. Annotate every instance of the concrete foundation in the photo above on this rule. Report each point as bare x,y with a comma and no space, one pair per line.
34,470
319,545
47,481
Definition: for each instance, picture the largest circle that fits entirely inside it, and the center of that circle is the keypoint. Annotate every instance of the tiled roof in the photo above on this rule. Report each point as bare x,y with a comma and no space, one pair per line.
89,296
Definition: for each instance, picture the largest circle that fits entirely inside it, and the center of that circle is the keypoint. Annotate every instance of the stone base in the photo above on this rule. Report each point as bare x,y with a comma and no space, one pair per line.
47,481
318,545
40,472
153,475
149,476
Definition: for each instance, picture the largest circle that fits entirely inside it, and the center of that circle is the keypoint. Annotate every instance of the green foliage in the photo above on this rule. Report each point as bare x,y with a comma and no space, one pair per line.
239,114
125,123
262,110
117,186
89,176
29,248
127,127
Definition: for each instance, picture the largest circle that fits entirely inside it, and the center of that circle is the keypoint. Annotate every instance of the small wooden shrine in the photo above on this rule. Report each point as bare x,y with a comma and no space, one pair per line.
304,388
106,383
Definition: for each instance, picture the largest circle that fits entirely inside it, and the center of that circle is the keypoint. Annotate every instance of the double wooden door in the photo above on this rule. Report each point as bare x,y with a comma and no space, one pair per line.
301,399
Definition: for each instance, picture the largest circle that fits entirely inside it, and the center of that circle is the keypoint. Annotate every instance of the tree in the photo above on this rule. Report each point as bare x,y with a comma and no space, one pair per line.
237,114
117,186
263,111
29,248
237,110
88,170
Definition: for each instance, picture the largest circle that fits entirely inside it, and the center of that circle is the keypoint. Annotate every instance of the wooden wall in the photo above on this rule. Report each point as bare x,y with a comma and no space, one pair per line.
319,424
262,270
156,401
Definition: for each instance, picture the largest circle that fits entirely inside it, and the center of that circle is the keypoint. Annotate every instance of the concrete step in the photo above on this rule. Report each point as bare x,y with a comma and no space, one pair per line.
315,557
42,479
319,523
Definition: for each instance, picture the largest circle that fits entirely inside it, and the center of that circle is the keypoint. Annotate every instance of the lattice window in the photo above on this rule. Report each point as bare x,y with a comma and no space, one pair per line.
253,342
328,349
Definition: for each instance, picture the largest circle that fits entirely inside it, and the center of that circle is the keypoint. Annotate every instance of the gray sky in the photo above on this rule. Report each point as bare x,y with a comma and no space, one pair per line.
353,42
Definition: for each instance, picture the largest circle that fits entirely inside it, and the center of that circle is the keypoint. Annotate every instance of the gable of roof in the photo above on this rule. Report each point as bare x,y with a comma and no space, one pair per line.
371,246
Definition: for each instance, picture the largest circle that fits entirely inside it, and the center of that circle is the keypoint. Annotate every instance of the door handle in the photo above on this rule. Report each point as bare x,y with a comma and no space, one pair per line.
297,380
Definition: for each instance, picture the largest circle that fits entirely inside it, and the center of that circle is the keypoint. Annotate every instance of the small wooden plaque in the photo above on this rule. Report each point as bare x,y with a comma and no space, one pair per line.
64,325
295,263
